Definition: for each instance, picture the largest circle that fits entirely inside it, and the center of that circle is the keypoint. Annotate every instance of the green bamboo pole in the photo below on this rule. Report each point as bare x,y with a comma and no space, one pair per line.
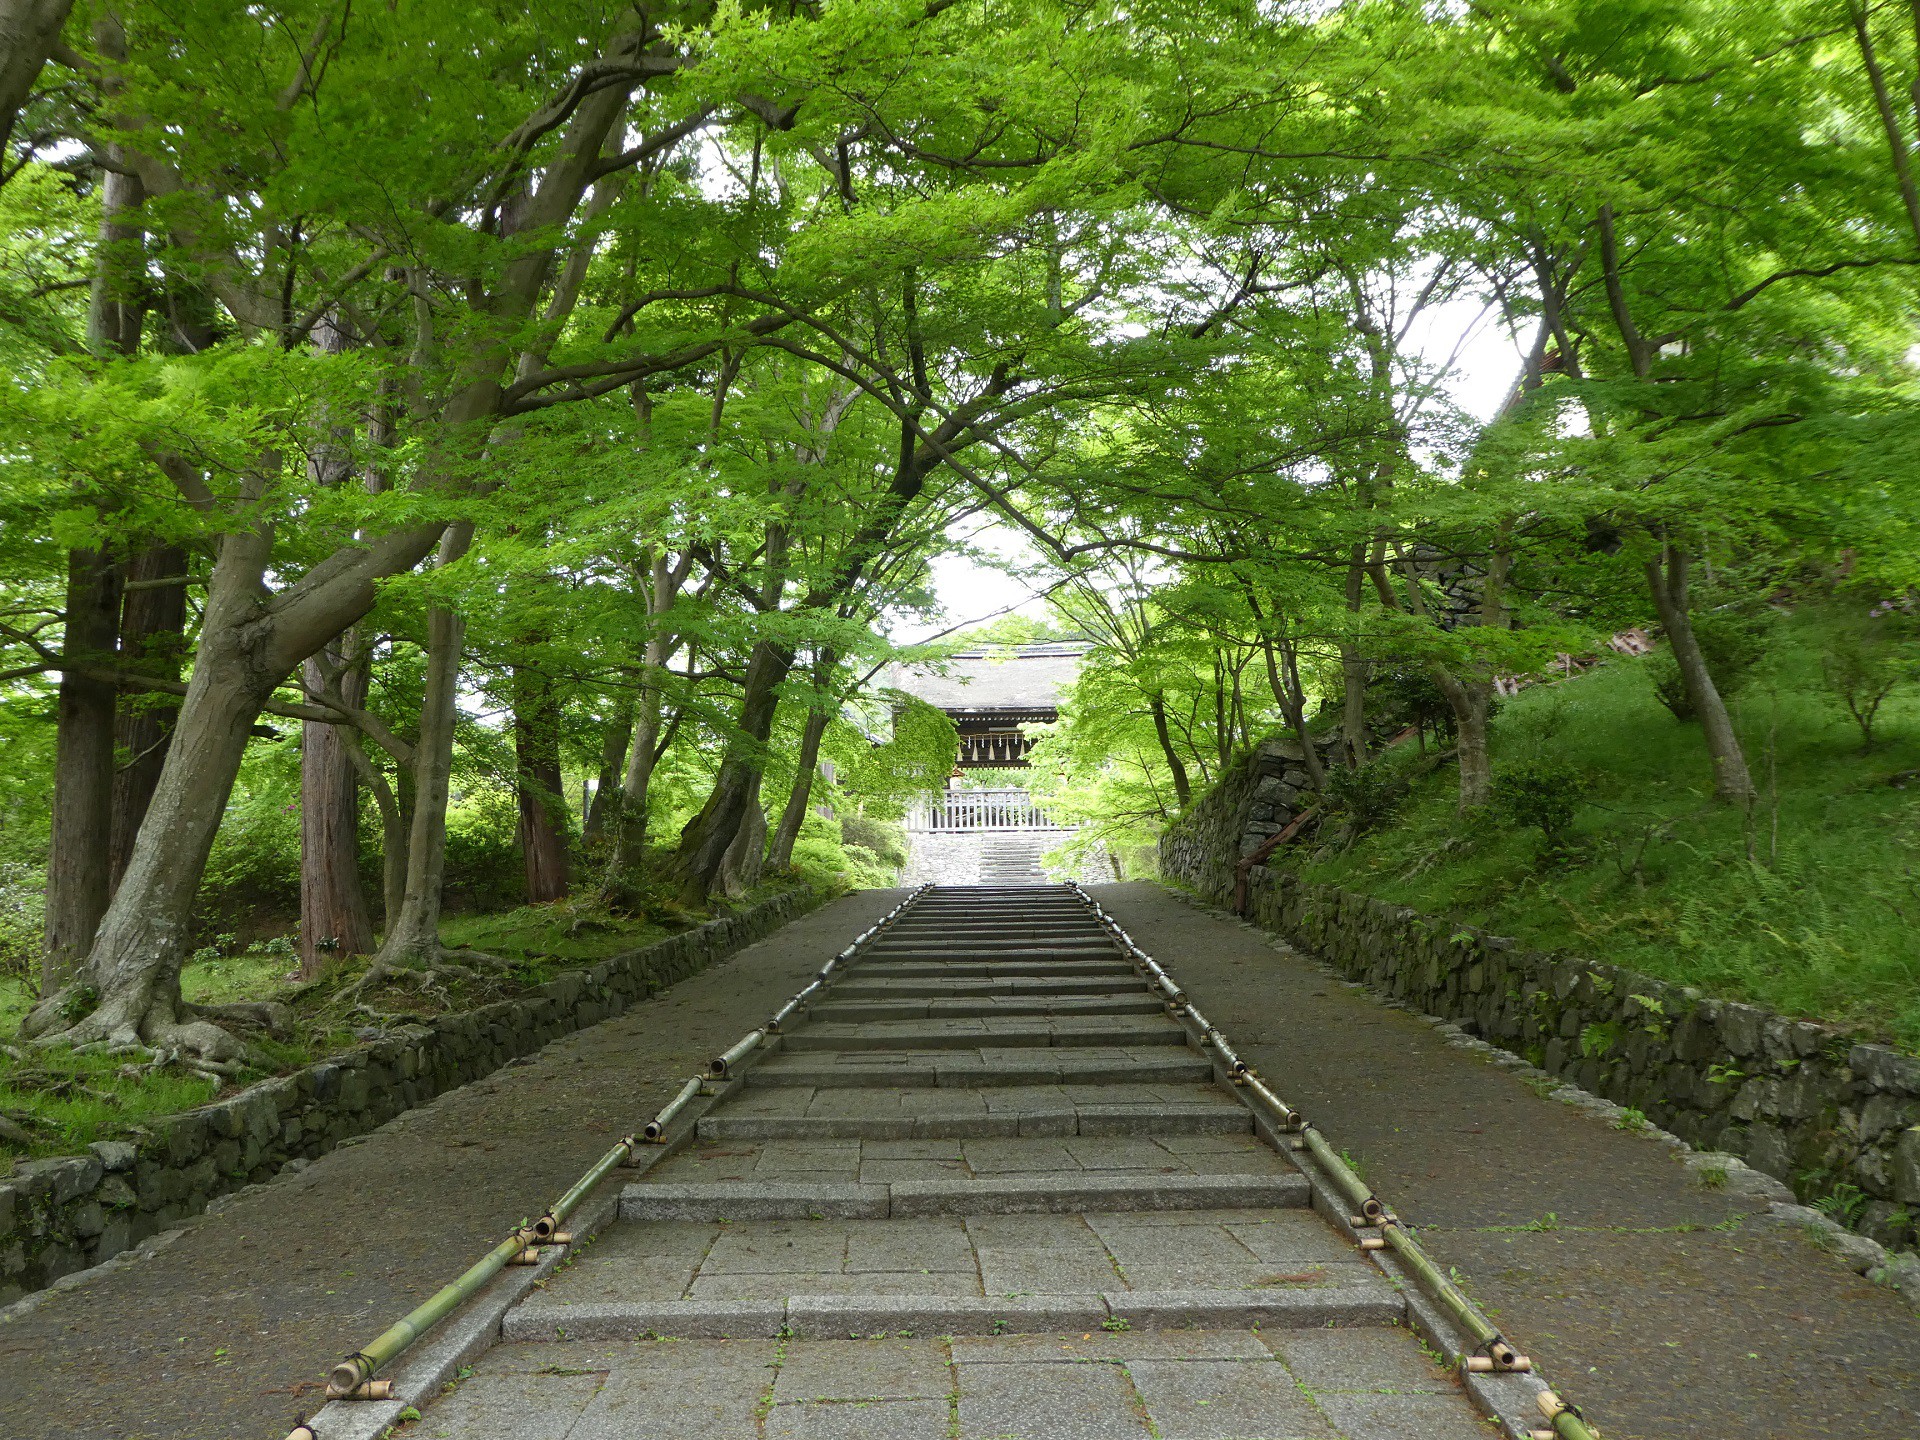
1567,1422
657,1127
354,1371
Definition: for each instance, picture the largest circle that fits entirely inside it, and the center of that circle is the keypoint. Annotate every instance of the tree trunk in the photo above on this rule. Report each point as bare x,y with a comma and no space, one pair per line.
626,863
1667,579
780,854
1182,786
1471,703
29,30
413,939
133,970
153,622
605,806
537,786
334,920
705,839
1353,669
745,860
1292,700
77,865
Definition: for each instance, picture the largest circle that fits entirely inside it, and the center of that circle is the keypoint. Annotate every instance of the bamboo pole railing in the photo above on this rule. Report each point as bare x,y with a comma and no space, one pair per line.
1495,1354
354,1377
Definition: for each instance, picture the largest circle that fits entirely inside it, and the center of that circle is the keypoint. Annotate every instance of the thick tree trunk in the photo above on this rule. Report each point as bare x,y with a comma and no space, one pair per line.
706,837
745,860
537,786
334,920
77,862
1667,579
153,622
133,970
1182,786
780,853
28,32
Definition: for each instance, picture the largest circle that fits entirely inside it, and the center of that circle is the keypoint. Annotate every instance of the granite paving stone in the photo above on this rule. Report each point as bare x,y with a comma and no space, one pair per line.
1402,1417
1386,1360
963,1217
858,1420
1047,1402
663,1400
1226,1400
526,1407
864,1370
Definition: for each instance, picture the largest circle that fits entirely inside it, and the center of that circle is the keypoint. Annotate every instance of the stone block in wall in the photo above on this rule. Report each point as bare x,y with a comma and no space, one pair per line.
1906,1167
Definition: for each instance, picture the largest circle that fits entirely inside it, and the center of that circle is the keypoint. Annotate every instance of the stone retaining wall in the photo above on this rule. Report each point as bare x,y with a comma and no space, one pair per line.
1804,1102
62,1215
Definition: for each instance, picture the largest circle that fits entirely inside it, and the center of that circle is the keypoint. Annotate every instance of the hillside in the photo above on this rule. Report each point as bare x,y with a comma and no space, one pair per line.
1809,907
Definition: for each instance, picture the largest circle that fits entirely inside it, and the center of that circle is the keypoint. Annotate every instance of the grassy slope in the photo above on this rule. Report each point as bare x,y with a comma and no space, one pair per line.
1822,925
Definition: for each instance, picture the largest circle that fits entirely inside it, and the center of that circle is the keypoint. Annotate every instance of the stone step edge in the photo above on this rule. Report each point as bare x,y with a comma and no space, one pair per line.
976,1077
1035,1035
1089,1122
839,1317
1058,1193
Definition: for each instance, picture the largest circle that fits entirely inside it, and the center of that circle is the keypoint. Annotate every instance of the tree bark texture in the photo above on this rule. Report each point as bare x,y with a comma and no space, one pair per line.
28,31
745,860
1182,785
1667,578
542,827
780,853
607,791
628,857
153,622
413,939
334,920
706,837
77,863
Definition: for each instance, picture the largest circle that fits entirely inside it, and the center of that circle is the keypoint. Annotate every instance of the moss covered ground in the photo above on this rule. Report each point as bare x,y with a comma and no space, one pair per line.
1809,905
58,1102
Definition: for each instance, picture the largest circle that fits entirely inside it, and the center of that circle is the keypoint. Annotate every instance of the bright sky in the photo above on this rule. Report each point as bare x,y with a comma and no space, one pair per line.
1485,362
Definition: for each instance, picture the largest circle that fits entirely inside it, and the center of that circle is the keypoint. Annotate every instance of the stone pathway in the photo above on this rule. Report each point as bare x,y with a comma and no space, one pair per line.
987,1191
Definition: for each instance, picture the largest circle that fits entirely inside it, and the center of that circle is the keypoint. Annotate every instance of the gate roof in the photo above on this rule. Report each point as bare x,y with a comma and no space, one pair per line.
996,680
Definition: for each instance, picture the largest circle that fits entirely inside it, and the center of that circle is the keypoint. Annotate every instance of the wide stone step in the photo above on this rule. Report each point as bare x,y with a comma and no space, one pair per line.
963,1032
983,1068
1166,1112
950,1007
865,985
1008,965
1060,1193
546,1316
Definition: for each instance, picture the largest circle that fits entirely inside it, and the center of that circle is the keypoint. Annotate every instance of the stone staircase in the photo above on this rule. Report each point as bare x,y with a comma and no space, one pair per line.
988,1190
1013,857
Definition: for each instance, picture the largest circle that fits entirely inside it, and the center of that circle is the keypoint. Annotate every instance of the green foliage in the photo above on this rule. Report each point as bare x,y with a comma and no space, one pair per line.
1731,643
1818,923
1543,792
1365,795
1867,655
